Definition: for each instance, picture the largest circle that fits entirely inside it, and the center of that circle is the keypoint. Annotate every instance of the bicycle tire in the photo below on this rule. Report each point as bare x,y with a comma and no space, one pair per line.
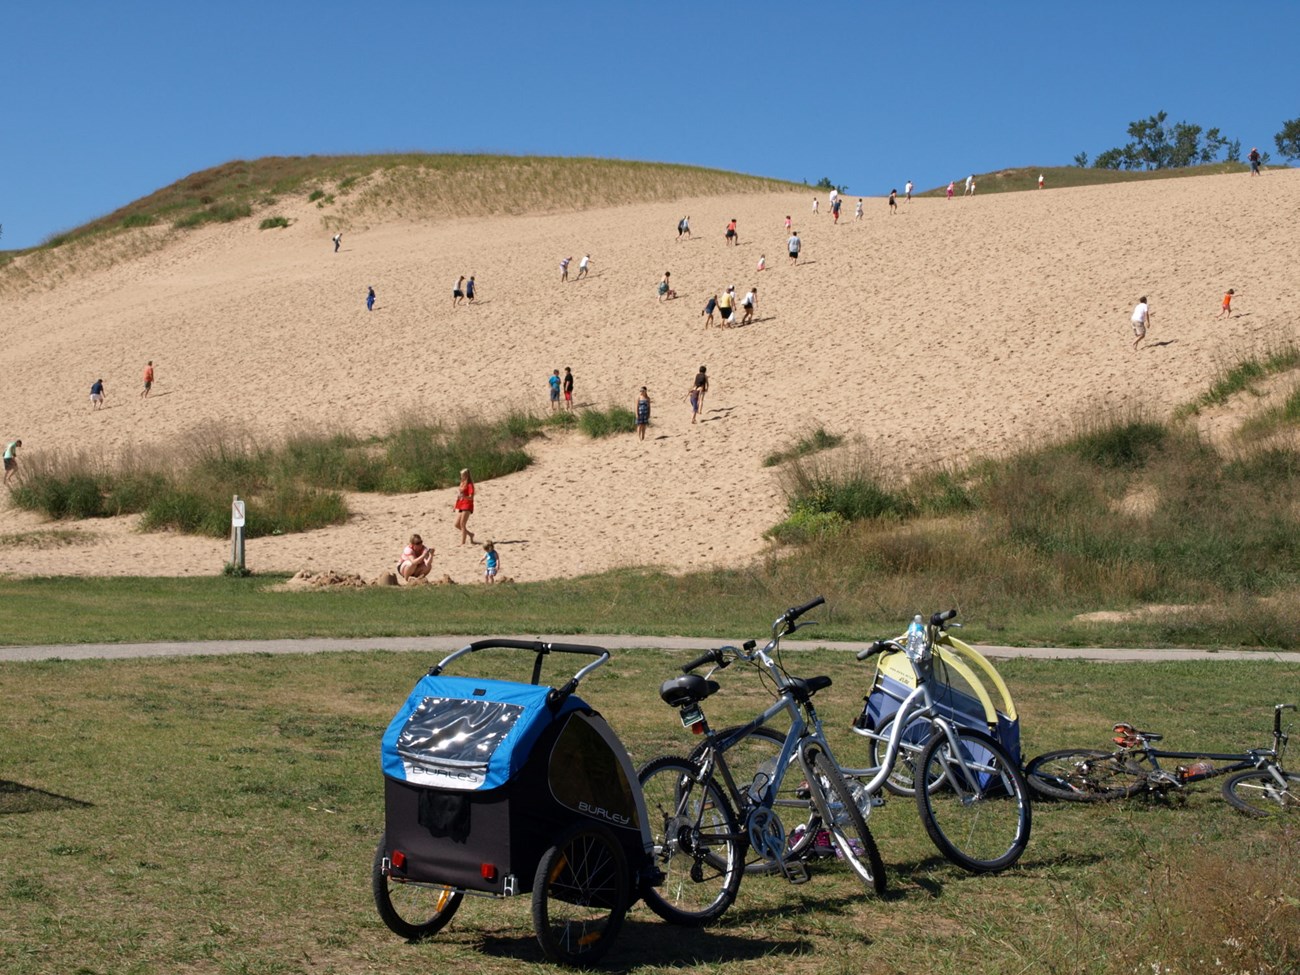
696,843
580,895
982,826
1084,775
761,748
843,819
1256,793
412,911
902,777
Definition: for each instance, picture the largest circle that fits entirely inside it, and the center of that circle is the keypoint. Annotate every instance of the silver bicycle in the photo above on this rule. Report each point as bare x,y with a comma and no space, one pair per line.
708,813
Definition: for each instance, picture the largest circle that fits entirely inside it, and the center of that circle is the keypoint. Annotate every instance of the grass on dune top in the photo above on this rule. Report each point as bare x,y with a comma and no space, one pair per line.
446,185
1060,177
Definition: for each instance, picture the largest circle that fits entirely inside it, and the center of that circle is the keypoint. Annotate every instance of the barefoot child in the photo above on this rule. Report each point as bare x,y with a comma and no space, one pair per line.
1226,310
491,562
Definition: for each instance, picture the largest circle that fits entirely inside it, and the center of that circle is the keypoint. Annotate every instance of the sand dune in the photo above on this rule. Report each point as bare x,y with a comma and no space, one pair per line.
952,328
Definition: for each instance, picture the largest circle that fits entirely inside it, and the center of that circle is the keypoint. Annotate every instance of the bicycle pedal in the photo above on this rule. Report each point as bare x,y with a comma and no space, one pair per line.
796,872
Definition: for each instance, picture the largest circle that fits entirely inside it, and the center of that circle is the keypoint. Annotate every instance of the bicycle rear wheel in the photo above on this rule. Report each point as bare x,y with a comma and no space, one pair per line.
1084,775
843,819
979,815
696,843
1258,793
580,895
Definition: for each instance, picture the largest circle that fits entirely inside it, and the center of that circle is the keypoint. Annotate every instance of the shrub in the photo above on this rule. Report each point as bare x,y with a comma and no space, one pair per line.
271,223
138,220
607,422
315,195
805,526
818,440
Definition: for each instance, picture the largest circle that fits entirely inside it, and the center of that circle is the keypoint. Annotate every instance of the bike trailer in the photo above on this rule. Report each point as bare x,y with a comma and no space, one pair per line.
482,776
967,690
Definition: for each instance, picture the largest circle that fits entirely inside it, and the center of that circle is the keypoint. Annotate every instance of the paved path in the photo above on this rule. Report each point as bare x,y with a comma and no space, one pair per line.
441,645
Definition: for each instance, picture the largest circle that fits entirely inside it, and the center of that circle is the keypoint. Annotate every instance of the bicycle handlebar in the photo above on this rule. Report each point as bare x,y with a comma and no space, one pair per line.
708,656
880,646
793,614
938,619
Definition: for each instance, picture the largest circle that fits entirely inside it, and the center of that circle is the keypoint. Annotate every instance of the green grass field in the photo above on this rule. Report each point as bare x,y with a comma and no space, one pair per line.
218,815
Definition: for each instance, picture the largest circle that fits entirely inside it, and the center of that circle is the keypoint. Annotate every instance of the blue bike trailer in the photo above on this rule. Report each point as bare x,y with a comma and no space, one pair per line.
481,776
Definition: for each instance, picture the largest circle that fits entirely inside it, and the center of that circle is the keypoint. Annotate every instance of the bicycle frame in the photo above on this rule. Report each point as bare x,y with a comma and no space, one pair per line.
1257,758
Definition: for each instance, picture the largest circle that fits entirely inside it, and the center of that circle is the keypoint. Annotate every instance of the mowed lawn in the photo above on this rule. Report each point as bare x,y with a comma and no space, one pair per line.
219,814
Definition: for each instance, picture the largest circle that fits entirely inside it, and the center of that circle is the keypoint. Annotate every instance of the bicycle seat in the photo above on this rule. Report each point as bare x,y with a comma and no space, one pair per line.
689,689
805,688
1126,734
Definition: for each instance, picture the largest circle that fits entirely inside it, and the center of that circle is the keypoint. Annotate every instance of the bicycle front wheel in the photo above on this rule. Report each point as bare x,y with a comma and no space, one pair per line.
843,819
580,895
902,777
1264,792
696,843
1084,775
978,816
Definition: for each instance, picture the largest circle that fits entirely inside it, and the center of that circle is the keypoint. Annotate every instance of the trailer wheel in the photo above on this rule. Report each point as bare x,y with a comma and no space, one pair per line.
411,910
580,895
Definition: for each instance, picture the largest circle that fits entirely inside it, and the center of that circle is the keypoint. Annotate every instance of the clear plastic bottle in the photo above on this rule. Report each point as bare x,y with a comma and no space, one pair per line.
916,639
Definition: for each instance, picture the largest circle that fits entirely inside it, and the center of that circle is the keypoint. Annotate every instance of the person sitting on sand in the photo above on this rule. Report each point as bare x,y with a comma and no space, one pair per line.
416,560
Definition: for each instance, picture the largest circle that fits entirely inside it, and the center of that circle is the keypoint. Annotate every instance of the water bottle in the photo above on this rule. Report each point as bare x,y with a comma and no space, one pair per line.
916,642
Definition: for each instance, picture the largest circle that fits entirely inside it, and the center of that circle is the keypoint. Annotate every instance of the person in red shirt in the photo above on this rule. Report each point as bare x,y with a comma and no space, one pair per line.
148,379
1226,310
465,506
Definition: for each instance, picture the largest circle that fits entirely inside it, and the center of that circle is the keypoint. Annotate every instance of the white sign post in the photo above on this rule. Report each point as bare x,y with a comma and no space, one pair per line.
237,533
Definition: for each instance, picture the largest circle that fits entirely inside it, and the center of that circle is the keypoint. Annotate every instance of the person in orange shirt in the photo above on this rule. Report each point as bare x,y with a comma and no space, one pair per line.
148,379
1226,310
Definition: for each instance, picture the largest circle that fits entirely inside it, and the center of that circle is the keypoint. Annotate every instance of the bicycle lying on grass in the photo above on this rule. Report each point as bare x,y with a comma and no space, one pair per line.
704,820
1259,785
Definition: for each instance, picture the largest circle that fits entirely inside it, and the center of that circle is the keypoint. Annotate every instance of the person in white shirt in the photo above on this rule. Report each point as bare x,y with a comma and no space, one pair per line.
907,190
747,303
1141,319
1040,181
583,265
857,212
814,205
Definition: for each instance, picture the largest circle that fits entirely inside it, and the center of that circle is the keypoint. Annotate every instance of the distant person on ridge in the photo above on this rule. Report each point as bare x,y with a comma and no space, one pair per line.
907,191
857,212
893,202
970,185
1040,181
1254,158
952,185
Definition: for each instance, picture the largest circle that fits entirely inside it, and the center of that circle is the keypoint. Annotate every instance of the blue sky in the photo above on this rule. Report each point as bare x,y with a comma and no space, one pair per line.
106,102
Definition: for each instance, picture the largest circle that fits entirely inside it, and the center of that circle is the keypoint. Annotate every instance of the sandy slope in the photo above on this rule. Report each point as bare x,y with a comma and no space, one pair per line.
952,327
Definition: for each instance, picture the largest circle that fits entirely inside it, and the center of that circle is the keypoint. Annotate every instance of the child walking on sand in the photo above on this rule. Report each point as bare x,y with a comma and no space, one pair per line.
490,562
1226,310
